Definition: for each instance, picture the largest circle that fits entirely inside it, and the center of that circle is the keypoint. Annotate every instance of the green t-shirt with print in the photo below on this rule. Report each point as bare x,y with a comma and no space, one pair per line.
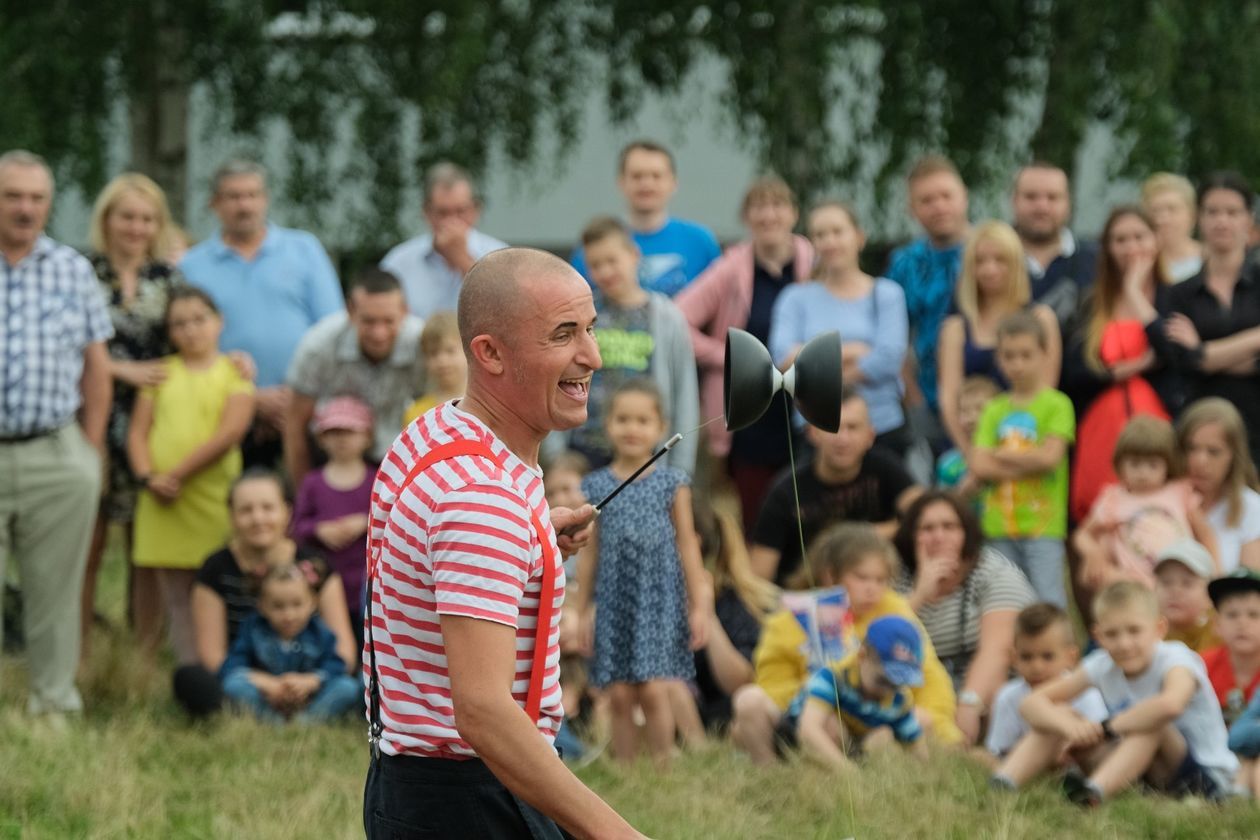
1033,506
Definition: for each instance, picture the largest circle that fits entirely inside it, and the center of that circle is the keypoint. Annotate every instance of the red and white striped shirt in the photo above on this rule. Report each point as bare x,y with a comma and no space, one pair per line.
456,541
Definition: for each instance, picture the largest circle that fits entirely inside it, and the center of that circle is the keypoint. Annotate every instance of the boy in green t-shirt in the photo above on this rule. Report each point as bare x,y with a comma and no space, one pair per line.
1021,452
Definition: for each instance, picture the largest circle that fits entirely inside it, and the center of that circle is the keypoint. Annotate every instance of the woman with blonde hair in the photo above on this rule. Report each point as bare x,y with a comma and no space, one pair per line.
131,235
1170,202
992,284
1213,443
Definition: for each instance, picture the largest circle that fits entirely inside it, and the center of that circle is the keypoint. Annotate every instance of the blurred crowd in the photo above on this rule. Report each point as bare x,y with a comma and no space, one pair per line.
1047,444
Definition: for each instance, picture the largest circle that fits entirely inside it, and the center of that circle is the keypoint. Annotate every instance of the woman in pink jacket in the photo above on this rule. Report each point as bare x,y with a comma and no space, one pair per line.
739,290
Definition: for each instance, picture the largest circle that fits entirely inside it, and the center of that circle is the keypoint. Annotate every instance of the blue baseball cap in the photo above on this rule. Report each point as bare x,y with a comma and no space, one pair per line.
899,647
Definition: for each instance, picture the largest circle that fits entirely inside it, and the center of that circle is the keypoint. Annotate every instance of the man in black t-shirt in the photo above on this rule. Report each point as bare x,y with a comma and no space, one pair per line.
846,480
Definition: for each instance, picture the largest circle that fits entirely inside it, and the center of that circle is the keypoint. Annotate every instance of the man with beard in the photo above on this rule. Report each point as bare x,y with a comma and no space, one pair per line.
1060,266
270,282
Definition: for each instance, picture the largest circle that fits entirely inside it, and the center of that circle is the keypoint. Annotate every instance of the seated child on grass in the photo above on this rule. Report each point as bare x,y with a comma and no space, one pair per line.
1044,649
284,662
1182,571
852,555
1165,726
863,702
1234,668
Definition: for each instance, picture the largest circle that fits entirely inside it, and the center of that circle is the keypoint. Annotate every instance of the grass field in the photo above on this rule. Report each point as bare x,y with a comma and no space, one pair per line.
133,767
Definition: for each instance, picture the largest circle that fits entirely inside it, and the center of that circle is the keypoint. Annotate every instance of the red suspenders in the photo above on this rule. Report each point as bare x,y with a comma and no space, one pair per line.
546,598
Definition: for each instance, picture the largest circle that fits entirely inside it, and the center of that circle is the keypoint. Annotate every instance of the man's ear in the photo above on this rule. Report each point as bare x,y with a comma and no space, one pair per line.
487,354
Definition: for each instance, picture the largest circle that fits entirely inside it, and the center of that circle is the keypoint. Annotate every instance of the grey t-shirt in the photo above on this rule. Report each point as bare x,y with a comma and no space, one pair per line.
1201,724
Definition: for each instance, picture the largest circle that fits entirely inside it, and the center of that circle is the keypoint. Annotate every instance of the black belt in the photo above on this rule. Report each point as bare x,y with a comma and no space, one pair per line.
29,436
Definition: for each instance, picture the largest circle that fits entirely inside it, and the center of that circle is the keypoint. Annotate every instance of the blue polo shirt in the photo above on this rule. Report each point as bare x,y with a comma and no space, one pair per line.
269,302
672,256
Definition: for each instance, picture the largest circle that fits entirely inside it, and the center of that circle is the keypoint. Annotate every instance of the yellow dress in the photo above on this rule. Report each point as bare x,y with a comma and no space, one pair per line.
187,409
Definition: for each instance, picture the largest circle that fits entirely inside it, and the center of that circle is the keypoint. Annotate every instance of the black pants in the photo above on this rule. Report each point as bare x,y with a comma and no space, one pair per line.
408,798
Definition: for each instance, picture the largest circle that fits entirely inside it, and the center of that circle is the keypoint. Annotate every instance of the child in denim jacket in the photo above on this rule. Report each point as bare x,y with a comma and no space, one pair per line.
284,662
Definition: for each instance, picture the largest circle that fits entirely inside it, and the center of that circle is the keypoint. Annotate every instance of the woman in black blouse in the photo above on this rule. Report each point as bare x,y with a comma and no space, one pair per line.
1215,328
227,586
131,235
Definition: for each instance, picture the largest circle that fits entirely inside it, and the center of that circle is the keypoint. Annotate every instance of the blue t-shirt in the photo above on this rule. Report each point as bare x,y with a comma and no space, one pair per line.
269,302
806,310
927,275
672,256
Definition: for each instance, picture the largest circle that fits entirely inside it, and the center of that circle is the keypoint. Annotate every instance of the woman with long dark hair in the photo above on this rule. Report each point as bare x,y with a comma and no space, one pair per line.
1117,360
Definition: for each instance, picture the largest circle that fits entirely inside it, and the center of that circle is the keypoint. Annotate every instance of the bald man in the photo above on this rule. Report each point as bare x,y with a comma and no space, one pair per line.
462,650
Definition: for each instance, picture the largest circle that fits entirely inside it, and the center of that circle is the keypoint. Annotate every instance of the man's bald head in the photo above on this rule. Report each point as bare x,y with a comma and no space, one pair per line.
491,295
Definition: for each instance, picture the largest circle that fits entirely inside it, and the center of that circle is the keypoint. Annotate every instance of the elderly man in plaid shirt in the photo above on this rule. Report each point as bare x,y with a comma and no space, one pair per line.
54,399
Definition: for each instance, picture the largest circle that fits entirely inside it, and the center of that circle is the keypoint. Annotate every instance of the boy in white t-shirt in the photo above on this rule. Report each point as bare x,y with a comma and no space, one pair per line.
1044,649
1165,725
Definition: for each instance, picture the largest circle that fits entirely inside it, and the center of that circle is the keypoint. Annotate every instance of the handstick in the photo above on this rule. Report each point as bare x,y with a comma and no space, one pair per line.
669,444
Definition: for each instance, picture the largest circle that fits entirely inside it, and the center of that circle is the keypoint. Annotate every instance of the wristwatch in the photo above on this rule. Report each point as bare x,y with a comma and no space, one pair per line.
970,698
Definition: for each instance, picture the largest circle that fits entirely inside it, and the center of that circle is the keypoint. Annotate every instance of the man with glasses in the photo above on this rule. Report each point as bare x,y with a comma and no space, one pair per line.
432,266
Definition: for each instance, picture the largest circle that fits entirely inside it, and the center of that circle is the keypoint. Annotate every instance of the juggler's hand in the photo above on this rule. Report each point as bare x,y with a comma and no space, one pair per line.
573,527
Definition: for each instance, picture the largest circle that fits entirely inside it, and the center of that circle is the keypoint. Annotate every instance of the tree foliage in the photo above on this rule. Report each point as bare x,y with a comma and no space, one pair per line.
824,92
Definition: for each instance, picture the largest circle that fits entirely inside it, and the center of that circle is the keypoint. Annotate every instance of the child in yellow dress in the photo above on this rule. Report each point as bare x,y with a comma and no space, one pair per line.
183,443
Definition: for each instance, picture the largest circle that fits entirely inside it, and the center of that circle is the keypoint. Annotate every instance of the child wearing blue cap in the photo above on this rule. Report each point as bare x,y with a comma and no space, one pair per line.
863,702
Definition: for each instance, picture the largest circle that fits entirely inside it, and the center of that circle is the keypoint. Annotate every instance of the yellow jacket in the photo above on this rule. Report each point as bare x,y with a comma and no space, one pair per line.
782,664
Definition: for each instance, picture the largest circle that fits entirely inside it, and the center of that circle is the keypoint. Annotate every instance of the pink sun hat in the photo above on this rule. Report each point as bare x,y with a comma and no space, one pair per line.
346,413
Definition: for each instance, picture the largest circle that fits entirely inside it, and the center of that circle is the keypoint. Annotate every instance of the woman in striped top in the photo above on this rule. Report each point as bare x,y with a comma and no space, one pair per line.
966,596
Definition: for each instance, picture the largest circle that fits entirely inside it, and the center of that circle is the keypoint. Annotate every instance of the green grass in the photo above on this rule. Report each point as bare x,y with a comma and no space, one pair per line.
133,767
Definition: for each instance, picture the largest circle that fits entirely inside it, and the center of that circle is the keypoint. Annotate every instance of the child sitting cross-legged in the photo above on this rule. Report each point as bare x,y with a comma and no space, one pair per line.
1044,649
863,702
284,662
1165,726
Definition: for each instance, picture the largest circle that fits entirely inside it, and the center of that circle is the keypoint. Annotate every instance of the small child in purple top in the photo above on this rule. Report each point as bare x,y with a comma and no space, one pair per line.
332,505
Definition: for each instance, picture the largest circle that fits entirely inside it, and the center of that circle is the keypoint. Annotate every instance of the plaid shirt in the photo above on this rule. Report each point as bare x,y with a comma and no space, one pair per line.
51,309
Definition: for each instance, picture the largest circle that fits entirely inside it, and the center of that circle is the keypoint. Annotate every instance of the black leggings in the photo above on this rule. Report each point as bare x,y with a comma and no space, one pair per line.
197,691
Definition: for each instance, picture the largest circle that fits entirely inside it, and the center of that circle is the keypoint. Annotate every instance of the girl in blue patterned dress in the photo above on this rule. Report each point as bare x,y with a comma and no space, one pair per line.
641,595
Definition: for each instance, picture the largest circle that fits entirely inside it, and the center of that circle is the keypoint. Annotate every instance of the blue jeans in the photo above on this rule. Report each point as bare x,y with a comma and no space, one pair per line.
1244,735
568,744
336,697
1041,559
